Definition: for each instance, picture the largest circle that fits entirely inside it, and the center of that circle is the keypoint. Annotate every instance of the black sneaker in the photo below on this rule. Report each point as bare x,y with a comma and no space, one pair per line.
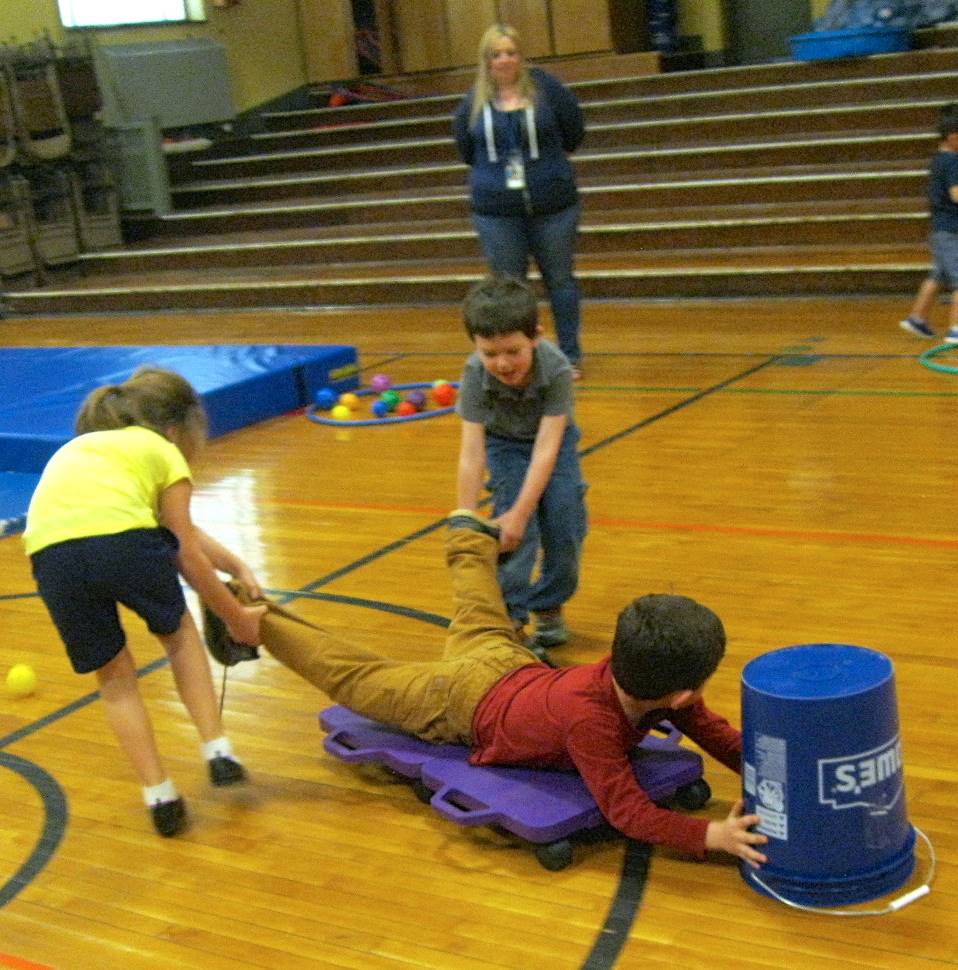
222,647
226,771
169,818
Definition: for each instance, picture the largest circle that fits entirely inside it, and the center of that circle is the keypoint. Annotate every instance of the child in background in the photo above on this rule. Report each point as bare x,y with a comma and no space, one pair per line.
943,203
109,523
517,407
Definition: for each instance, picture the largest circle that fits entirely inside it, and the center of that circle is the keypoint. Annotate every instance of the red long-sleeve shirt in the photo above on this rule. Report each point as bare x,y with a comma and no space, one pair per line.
572,718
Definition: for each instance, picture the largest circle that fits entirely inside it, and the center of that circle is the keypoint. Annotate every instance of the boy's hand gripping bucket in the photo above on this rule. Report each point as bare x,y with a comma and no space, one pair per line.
822,768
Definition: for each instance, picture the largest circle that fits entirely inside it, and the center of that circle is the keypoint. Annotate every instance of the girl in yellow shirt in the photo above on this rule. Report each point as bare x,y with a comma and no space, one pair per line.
110,523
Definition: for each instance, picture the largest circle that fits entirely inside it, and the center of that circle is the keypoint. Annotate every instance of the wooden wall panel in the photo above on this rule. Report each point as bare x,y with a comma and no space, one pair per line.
389,52
329,42
580,26
531,19
468,20
421,34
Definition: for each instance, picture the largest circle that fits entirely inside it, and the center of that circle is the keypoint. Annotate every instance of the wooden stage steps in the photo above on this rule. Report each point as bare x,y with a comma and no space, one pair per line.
782,179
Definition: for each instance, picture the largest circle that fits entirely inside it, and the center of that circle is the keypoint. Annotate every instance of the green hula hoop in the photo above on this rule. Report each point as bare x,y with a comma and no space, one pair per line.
927,359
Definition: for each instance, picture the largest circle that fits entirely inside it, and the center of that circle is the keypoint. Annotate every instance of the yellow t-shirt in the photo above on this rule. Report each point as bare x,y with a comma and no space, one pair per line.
102,483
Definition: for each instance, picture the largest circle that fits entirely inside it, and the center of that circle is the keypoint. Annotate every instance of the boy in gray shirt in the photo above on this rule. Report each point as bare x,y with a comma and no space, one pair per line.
517,407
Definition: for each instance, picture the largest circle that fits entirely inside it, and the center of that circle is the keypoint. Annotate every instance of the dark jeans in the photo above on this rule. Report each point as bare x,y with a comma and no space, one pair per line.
558,526
508,242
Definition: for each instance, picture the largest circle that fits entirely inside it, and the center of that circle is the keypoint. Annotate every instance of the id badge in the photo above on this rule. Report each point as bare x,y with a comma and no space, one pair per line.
515,173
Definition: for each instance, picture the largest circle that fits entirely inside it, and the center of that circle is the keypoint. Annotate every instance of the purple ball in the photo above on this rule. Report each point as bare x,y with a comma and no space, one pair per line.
417,399
380,383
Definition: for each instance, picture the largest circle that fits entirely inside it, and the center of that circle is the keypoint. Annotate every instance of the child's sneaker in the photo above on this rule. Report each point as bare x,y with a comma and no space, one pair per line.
919,328
226,771
169,818
551,630
952,336
223,648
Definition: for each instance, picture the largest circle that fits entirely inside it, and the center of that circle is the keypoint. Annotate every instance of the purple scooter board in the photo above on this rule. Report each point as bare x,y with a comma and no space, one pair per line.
544,807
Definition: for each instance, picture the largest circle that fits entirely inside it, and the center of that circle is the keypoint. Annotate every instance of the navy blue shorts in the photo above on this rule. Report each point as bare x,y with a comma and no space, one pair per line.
81,581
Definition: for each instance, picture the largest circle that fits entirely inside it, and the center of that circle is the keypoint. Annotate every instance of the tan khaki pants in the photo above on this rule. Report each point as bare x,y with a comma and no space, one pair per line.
435,700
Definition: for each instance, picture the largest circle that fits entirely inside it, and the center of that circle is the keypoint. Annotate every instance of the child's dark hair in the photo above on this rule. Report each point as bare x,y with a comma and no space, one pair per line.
498,305
152,398
948,119
665,643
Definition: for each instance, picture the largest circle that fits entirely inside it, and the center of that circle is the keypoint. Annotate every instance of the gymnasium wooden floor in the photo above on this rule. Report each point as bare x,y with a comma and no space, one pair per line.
789,463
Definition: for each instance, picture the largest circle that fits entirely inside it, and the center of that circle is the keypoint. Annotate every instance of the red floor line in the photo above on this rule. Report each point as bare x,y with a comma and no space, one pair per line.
7,960
776,533
638,524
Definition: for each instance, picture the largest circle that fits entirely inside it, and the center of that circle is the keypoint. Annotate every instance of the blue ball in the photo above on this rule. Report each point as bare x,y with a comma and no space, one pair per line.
325,398
380,409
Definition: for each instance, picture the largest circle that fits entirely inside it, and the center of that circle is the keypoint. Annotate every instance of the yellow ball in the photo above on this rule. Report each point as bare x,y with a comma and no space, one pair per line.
21,680
349,400
341,413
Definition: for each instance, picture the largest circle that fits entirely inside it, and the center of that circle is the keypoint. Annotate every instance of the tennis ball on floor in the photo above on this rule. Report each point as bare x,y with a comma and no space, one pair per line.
21,680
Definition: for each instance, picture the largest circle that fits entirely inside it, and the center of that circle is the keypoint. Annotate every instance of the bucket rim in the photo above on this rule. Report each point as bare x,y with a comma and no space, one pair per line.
882,669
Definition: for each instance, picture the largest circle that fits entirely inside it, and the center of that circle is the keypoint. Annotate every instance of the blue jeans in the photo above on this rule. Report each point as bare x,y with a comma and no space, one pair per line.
944,250
508,241
558,526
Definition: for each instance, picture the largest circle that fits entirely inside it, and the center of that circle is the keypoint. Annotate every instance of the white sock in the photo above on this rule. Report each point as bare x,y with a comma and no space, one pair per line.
218,748
157,794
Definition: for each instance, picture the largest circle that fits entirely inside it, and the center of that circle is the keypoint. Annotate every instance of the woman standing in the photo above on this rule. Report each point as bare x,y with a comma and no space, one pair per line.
515,129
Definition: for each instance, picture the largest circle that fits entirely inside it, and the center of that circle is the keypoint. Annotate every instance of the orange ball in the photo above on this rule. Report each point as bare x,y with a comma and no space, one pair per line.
405,409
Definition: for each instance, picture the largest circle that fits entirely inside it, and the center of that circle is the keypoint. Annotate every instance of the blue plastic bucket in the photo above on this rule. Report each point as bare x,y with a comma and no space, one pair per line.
822,768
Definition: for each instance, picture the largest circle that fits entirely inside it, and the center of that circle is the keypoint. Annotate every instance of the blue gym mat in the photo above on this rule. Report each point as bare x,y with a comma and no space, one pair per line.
41,390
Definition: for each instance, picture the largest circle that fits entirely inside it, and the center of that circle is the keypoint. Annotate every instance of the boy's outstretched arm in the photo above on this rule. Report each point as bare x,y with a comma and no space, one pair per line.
734,835
545,451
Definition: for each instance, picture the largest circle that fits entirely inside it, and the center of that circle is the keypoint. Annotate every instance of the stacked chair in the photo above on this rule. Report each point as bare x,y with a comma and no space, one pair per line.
58,193
16,254
96,197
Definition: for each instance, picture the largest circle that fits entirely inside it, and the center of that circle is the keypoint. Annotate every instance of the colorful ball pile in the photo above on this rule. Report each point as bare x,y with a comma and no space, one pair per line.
389,402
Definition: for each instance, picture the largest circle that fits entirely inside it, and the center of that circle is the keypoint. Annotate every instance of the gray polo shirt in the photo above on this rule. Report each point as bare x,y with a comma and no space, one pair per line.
515,412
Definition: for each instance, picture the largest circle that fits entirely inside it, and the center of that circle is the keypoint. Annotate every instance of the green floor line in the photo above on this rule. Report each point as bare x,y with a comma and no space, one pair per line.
644,389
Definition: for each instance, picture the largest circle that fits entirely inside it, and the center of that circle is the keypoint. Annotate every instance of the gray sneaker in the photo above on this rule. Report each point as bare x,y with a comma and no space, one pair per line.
551,630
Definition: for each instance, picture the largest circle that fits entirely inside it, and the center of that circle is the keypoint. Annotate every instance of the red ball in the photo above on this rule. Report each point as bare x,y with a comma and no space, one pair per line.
444,395
405,409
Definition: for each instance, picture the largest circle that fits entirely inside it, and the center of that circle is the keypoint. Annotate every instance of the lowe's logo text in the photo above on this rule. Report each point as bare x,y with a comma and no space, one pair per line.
871,779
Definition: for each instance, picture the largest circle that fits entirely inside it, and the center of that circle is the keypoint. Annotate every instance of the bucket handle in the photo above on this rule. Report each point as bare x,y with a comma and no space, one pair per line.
896,904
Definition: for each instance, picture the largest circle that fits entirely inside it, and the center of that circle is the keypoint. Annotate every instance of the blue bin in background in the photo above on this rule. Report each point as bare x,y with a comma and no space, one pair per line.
822,768
853,42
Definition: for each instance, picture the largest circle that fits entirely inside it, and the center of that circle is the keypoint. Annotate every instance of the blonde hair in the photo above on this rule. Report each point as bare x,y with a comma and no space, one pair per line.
484,90
151,398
